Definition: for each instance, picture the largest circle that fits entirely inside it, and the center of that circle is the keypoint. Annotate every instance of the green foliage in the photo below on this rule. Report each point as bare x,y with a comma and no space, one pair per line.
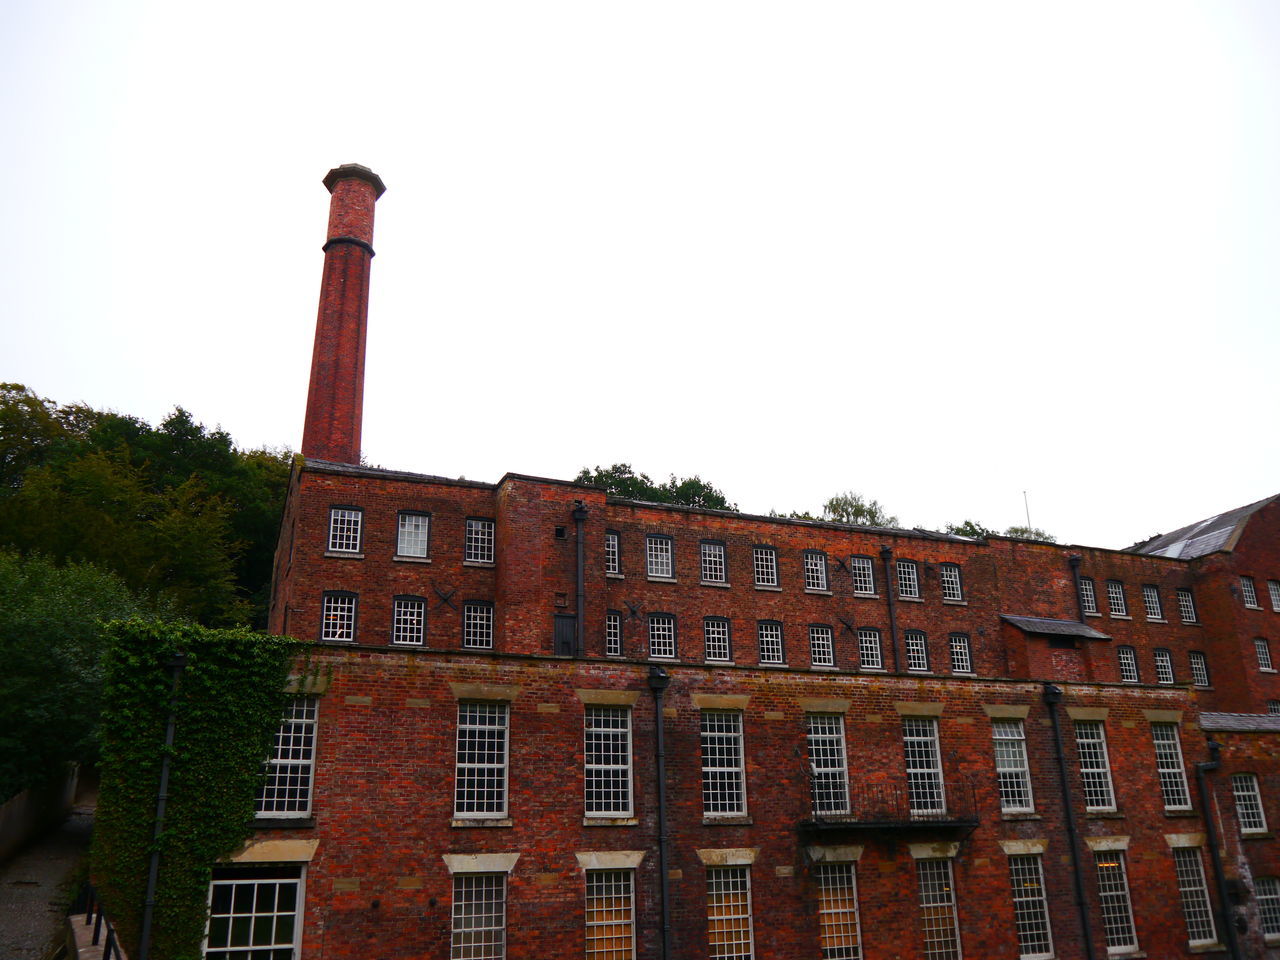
850,507
621,481
175,510
50,645
1030,533
228,704
970,528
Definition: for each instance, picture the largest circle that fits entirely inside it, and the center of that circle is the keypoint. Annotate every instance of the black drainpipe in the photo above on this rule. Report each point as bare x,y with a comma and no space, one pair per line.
1074,560
886,555
175,665
579,640
1215,855
658,681
1053,697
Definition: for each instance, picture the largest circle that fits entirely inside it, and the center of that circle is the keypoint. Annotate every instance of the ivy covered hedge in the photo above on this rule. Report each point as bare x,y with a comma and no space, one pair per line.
228,705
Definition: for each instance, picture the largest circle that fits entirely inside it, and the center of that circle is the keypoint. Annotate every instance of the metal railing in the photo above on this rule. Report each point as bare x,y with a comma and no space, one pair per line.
104,934
891,804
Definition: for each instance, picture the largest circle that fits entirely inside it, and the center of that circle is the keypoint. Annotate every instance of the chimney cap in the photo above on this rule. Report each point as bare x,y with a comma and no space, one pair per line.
355,171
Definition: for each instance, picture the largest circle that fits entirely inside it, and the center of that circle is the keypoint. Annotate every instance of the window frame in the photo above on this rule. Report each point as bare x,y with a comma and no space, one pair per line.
713,553
655,623
718,923
1186,605
461,908
1088,597
1013,777
907,573
828,755
1171,768
727,624
612,553
469,608
254,875
961,650
1095,776
916,644
293,758
948,588
771,626
925,777
1127,662
606,947
328,616
838,910
863,562
402,600
870,649
1031,919
819,644
1250,814
1117,601
1273,591
357,515
816,575
1193,891
480,542
608,775
1163,658
613,633
1198,662
1262,650
724,785
1151,602
938,911
496,811
1267,890
1249,593
659,551
1113,893
764,567
423,515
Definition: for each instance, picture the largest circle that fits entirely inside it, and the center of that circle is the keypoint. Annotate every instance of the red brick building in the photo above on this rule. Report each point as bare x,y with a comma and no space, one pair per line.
540,721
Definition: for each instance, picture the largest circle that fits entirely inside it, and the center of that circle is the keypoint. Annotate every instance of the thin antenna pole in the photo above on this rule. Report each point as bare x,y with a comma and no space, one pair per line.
1026,506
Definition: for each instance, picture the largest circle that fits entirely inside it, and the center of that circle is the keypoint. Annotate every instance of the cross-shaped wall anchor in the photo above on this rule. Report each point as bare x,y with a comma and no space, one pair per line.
446,599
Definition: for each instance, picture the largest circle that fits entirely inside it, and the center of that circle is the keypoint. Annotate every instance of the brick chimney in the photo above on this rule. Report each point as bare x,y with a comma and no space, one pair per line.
335,398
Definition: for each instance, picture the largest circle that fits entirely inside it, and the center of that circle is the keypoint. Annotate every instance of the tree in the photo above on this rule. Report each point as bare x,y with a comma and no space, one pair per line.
621,480
175,510
970,528
1030,533
850,507
51,633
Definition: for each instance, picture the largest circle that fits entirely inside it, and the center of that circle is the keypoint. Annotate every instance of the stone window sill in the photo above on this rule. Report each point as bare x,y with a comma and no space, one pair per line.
956,603
1257,835
479,563
398,558
815,590
1119,616
616,576
653,579
610,821
1103,815
867,596
344,555
911,599
765,586
721,584
1021,816
727,821
287,823
481,822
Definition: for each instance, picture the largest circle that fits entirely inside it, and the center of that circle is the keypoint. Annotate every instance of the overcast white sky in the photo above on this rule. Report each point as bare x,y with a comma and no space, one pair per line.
939,253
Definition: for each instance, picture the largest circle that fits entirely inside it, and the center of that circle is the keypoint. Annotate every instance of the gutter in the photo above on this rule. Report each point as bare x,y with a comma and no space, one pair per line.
886,554
1053,697
1215,855
658,681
